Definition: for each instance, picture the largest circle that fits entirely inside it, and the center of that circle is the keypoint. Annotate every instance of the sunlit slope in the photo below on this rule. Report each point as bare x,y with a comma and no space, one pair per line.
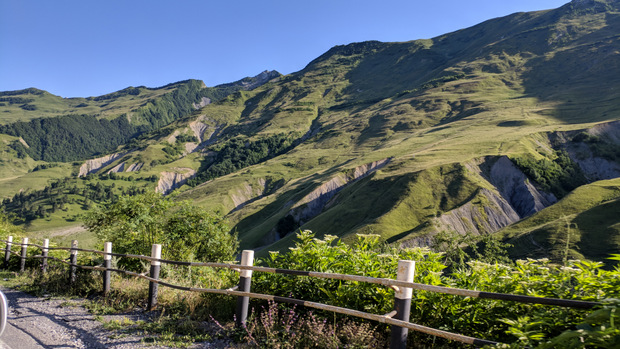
499,88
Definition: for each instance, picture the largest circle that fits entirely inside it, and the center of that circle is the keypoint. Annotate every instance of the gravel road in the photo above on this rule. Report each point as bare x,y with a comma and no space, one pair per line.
55,323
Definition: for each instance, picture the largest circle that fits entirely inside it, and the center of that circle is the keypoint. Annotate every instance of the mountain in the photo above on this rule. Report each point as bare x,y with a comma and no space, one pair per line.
484,130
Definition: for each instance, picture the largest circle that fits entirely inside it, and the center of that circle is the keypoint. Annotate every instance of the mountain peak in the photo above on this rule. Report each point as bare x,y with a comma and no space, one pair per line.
250,83
591,6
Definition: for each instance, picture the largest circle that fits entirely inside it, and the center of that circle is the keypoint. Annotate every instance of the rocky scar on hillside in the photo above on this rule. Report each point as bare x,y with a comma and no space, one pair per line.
168,181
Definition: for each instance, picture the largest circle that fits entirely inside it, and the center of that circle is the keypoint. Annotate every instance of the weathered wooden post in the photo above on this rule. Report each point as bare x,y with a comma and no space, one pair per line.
73,262
22,265
7,252
155,268
44,252
107,264
402,304
245,280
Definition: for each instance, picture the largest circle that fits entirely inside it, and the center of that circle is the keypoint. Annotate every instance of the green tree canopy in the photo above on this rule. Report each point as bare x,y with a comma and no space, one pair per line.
186,232
7,228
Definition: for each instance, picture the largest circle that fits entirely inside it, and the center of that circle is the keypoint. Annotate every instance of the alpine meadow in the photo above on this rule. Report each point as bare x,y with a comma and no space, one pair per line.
496,143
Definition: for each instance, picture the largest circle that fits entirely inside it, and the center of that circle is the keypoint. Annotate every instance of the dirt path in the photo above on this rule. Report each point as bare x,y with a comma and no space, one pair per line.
55,323
66,231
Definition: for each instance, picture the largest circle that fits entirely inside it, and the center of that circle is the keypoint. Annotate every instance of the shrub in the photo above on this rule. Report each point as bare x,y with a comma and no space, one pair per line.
503,321
134,223
367,257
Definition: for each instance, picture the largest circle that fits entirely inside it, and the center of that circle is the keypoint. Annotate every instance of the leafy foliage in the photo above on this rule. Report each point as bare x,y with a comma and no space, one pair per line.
558,175
367,257
70,137
459,249
29,205
239,153
133,224
7,227
517,323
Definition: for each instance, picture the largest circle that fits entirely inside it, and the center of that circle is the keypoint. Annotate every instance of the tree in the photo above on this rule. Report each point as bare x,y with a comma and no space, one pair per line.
185,232
7,228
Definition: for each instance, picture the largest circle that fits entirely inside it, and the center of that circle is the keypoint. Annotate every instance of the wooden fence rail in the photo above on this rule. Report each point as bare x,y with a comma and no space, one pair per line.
398,318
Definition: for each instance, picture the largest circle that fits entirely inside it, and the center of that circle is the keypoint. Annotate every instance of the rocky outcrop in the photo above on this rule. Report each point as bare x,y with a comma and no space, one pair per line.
594,168
173,137
512,197
517,188
469,218
512,184
168,181
313,203
94,165
203,102
248,192
190,147
205,133
610,131
135,167
118,168
258,80
199,128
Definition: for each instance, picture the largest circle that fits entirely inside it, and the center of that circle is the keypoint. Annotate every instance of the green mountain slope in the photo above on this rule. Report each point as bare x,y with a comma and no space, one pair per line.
42,149
428,106
473,131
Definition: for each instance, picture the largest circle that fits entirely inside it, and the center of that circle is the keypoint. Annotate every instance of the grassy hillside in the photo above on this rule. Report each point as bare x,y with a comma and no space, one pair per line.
425,104
583,224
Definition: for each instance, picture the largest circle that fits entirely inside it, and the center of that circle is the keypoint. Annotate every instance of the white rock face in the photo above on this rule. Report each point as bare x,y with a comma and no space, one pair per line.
203,102
478,220
118,168
169,181
313,203
514,197
608,130
94,165
516,188
199,128
248,192
135,167
596,168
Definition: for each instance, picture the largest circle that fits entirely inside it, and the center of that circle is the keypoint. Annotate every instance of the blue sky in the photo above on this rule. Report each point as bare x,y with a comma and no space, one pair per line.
80,48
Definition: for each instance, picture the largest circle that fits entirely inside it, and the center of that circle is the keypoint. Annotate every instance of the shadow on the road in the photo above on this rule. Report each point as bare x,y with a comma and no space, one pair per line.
26,315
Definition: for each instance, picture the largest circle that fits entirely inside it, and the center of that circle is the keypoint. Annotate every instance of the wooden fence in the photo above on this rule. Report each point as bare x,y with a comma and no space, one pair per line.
398,318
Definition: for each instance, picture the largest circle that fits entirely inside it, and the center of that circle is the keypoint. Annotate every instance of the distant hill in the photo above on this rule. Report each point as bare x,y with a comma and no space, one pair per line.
78,128
477,131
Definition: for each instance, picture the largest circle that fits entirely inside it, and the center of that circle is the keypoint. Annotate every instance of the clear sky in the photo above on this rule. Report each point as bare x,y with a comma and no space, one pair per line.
81,48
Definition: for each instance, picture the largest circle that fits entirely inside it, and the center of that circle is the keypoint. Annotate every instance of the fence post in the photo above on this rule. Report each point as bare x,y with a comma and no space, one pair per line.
245,280
73,262
22,265
155,268
107,264
402,304
44,252
7,252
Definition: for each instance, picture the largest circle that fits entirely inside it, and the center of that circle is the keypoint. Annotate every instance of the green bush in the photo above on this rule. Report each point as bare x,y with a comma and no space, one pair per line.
503,321
134,223
557,174
367,257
